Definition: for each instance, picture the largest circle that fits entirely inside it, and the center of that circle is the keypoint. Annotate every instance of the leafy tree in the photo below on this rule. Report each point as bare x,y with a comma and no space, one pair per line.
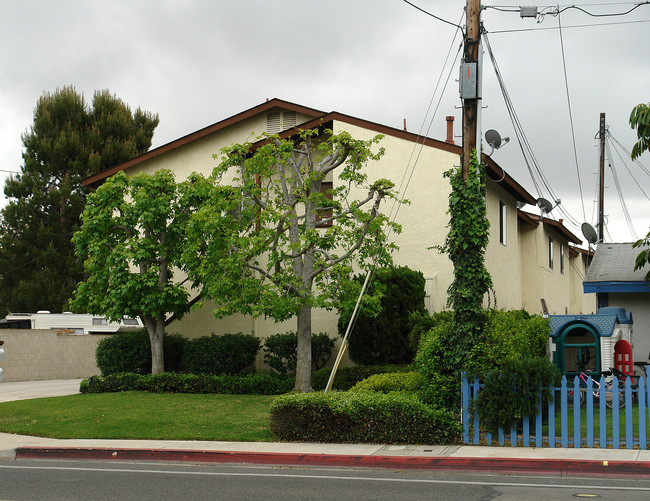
282,241
67,142
640,119
131,239
383,338
643,257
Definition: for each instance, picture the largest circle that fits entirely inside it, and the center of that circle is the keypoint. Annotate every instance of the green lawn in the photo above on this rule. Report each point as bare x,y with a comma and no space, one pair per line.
596,422
139,415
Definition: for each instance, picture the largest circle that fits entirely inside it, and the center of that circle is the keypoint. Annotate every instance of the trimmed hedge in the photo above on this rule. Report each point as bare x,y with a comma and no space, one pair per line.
220,354
131,352
407,382
347,377
250,384
364,417
280,351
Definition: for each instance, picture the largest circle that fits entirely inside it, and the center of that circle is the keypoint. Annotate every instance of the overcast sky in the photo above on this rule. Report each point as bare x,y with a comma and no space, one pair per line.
198,62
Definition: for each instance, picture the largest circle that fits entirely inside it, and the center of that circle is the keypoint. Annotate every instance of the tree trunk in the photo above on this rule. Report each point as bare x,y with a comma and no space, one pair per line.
303,364
156,329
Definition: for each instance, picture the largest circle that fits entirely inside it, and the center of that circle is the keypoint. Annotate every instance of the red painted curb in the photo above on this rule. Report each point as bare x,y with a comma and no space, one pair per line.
514,465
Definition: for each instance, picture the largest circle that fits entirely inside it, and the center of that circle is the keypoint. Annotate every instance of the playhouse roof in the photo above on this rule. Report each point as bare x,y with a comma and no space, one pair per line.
603,321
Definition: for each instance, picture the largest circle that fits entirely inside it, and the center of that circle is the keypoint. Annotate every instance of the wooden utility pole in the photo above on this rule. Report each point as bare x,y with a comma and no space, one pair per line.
601,183
470,81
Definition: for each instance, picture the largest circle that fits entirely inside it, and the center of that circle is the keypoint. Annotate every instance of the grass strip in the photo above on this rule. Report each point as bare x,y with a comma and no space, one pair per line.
140,415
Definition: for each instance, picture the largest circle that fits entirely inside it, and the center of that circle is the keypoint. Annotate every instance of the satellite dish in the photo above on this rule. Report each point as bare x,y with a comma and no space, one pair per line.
589,233
545,205
493,138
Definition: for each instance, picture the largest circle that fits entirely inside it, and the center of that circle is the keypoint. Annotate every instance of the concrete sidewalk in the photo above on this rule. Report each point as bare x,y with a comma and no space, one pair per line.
556,461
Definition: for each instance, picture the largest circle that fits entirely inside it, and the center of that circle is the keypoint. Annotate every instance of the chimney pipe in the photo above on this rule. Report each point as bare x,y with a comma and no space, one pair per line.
405,125
450,130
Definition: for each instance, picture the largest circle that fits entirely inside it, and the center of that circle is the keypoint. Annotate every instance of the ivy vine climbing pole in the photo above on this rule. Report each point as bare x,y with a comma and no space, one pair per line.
469,231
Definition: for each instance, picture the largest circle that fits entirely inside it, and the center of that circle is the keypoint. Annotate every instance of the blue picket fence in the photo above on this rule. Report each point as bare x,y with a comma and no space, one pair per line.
605,428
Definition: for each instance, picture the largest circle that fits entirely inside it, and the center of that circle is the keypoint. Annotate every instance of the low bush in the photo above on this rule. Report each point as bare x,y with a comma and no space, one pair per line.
280,351
406,382
250,384
131,352
513,391
347,377
363,417
507,335
421,322
223,354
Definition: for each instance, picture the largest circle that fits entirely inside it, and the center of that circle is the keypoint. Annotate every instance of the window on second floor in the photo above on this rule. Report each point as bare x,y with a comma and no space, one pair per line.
550,252
503,212
325,213
562,259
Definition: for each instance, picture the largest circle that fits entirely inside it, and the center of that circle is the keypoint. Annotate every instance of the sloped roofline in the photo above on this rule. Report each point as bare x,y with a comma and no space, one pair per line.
98,178
494,171
533,220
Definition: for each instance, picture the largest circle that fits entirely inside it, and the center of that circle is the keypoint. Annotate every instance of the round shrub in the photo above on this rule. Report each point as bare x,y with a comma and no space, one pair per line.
406,382
131,352
224,354
347,377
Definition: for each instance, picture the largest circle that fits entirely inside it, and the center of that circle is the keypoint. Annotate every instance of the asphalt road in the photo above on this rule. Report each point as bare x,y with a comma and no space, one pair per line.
82,480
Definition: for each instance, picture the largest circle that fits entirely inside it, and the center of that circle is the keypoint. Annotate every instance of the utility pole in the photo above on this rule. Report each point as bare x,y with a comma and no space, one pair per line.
601,183
470,83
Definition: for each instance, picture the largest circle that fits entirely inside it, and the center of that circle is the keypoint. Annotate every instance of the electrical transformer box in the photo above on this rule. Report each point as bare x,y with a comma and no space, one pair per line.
468,80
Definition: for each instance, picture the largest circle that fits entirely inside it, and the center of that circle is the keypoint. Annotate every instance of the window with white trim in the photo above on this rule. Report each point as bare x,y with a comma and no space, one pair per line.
550,252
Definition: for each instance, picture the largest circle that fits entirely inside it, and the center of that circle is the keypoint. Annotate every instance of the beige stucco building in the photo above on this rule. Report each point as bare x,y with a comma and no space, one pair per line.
530,258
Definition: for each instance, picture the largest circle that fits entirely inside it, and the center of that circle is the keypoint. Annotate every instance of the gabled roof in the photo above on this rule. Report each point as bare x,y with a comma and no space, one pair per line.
98,178
495,172
534,220
612,270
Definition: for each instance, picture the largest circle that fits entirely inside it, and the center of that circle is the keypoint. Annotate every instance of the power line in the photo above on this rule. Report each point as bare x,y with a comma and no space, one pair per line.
573,134
434,16
537,175
619,191
571,26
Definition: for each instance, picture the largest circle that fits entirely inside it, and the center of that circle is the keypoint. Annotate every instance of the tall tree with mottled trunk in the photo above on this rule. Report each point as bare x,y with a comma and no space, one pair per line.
284,239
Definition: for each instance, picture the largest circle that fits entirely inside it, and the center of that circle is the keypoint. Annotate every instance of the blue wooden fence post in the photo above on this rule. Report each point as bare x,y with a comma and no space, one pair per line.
615,411
642,414
629,429
477,429
551,419
577,441
590,412
603,413
564,421
464,391
538,418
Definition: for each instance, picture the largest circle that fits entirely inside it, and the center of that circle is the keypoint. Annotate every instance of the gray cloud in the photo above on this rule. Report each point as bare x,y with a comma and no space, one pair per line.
197,62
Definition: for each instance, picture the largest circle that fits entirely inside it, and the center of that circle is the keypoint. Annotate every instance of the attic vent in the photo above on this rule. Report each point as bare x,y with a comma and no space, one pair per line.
278,121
